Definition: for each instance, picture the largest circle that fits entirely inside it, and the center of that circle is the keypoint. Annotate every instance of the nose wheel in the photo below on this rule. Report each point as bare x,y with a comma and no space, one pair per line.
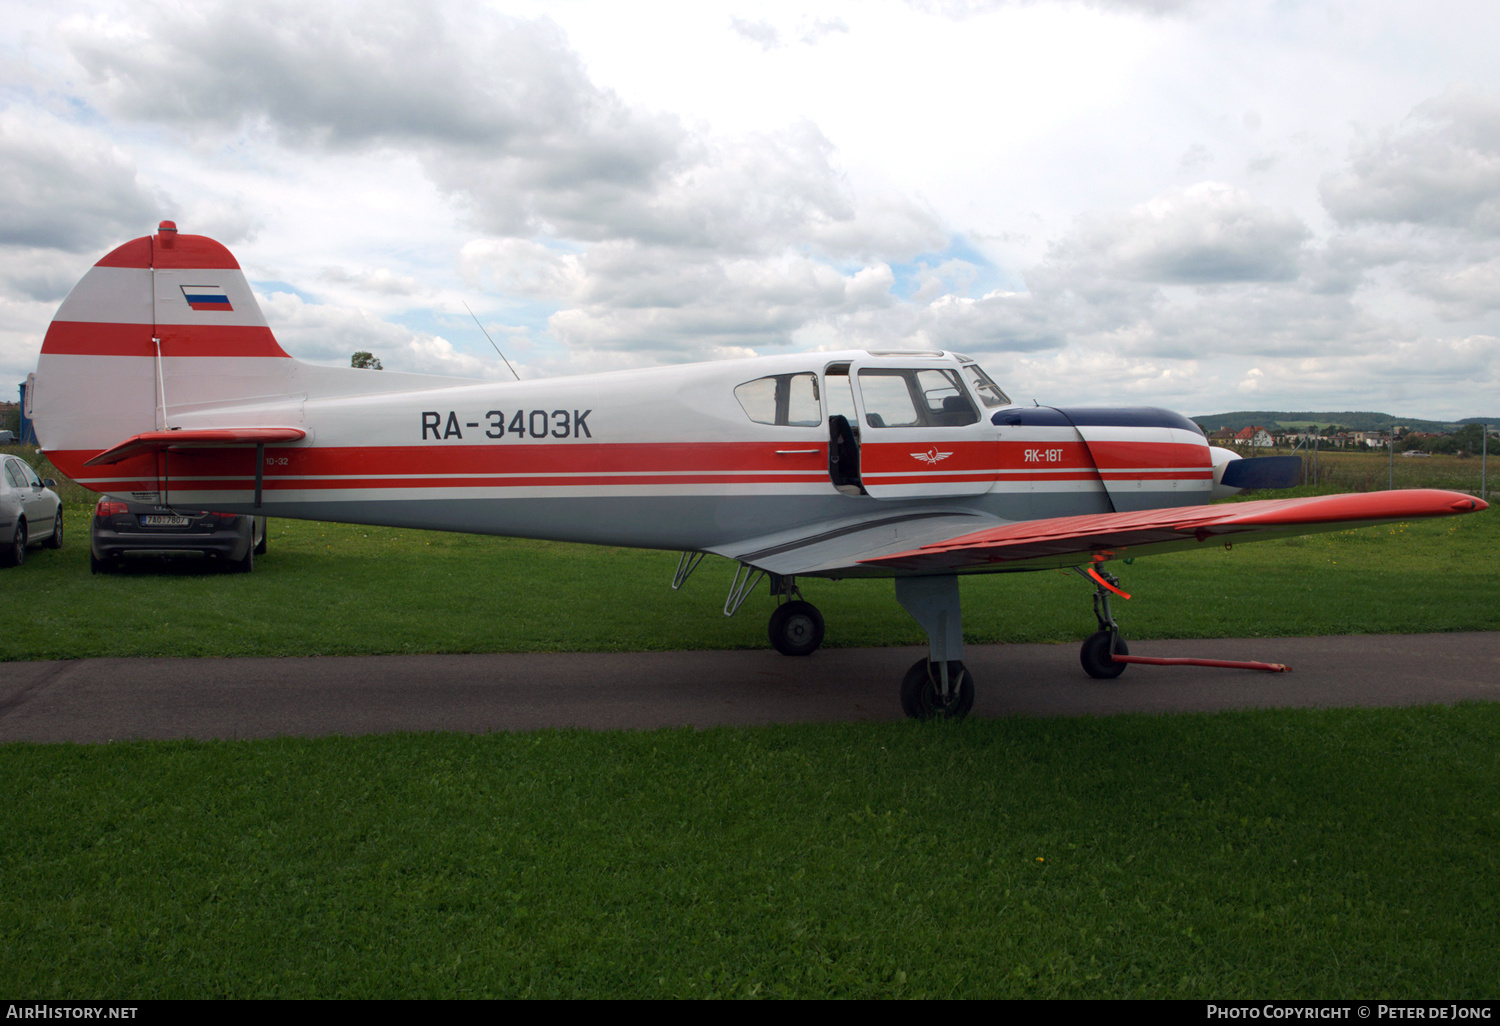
1098,650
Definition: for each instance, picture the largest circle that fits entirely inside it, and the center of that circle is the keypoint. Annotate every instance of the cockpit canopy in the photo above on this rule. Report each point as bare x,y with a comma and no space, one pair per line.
894,396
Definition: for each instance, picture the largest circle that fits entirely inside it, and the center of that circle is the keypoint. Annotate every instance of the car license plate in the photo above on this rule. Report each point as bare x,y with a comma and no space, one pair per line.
150,521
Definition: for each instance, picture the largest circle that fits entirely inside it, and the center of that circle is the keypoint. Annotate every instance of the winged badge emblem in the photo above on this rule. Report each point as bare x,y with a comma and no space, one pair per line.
931,455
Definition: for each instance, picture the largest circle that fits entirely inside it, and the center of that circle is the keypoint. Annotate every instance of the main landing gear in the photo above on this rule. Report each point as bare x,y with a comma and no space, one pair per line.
796,626
1099,648
940,686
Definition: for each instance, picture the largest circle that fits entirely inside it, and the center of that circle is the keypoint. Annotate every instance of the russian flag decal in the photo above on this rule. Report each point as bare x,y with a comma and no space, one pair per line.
206,297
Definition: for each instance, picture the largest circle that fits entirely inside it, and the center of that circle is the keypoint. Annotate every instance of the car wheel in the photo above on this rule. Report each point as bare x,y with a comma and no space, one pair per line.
14,554
244,566
55,542
260,546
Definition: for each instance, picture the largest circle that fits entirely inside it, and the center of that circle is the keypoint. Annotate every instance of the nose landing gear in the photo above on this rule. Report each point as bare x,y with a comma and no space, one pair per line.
1105,643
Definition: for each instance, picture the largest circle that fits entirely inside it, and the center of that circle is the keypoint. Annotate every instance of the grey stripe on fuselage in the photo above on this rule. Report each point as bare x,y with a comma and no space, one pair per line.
689,522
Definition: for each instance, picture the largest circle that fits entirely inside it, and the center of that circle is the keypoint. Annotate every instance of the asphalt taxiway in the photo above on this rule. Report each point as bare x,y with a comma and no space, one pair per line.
96,700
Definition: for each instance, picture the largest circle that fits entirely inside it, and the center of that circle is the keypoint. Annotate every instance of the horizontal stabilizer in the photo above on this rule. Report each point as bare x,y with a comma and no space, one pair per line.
1069,541
1263,472
195,438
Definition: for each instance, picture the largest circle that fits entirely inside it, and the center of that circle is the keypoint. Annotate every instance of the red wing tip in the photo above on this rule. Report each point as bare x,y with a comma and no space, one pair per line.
1469,506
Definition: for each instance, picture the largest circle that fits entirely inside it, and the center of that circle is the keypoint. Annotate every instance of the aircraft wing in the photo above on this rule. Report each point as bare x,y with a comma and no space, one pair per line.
838,548
1069,541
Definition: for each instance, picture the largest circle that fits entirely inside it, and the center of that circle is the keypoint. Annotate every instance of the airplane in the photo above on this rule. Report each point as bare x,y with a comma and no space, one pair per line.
159,380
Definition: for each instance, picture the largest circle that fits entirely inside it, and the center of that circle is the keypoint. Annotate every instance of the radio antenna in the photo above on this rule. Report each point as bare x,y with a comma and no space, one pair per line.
492,341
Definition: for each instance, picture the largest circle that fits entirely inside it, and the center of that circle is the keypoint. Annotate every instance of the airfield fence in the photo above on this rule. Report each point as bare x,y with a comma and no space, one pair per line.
1353,471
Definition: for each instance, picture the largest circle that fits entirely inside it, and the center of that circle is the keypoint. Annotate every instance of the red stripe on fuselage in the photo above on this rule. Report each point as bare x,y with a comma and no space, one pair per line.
531,464
1114,455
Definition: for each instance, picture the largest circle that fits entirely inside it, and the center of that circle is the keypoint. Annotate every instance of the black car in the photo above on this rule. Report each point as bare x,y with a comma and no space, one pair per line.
125,529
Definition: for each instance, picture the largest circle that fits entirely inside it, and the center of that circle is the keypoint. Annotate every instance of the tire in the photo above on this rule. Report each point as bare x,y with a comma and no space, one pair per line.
260,546
244,566
14,553
1095,656
796,629
97,565
55,542
920,697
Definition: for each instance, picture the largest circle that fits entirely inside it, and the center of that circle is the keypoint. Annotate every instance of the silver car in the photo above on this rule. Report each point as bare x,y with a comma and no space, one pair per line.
30,511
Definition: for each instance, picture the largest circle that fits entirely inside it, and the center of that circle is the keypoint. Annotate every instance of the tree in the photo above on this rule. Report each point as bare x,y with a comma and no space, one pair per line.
365,361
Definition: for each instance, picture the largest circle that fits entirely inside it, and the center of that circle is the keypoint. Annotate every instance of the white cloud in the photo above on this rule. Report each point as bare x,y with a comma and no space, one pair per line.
1204,234
1006,178
1441,166
974,8
379,280
758,31
331,334
68,187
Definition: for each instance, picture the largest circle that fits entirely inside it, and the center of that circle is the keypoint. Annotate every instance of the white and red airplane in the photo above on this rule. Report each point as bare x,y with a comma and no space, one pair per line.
159,380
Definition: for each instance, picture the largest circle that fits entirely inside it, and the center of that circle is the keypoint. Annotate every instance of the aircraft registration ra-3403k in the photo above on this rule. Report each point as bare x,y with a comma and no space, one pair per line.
159,379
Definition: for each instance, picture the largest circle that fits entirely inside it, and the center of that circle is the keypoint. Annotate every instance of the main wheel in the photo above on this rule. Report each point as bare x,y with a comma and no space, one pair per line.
14,554
921,691
55,542
796,628
1095,656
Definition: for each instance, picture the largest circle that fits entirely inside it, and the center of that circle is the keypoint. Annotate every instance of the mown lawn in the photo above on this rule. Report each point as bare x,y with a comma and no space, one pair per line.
1335,853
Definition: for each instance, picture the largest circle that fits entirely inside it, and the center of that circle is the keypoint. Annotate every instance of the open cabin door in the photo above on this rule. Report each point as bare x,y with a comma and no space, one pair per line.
920,433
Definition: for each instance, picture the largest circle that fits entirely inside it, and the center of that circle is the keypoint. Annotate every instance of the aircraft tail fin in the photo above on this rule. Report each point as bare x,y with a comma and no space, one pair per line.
161,326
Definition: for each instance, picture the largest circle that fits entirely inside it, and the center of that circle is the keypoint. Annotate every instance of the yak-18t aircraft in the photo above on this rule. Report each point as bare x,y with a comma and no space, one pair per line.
159,380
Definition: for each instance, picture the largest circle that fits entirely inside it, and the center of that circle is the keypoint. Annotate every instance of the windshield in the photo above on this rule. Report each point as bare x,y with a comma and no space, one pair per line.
989,393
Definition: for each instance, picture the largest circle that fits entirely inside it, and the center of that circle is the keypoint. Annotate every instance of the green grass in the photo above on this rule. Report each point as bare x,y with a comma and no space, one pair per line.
329,589
1255,854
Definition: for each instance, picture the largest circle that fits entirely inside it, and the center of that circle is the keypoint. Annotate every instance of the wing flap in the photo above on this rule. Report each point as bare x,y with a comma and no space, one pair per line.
1068,541
188,438
841,548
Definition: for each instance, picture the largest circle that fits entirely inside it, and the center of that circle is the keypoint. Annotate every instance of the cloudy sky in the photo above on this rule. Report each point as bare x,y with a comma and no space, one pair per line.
1263,204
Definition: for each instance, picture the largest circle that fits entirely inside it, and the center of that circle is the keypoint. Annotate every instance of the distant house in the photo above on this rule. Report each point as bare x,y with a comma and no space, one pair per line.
1254,436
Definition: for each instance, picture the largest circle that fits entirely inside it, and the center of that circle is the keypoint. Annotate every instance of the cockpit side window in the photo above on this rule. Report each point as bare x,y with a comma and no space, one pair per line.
787,400
989,393
930,397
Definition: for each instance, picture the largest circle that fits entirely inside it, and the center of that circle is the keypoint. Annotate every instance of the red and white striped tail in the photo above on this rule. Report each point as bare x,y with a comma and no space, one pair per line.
161,328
